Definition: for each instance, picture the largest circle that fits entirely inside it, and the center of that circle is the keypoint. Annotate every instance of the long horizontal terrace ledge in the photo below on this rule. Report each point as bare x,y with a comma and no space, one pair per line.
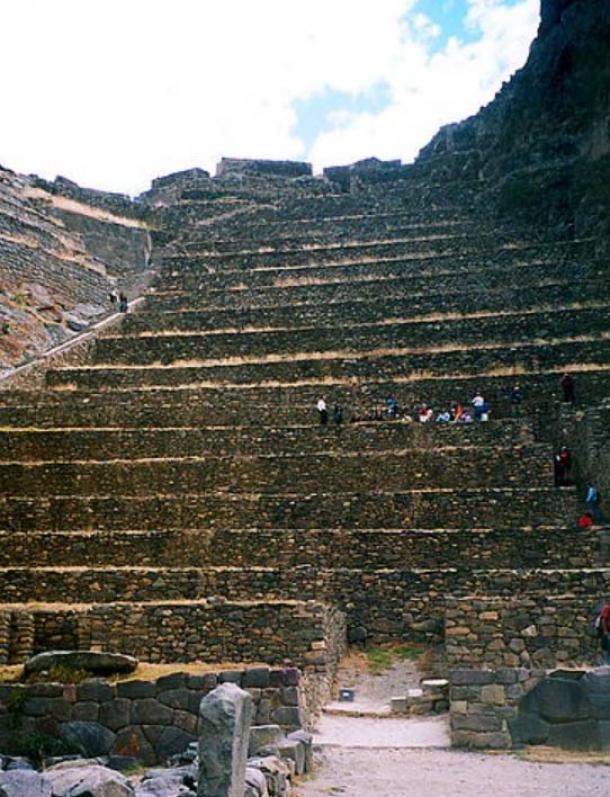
331,548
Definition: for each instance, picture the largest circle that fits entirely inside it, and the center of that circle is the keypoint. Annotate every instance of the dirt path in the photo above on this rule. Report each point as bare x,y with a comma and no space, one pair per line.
371,732
444,773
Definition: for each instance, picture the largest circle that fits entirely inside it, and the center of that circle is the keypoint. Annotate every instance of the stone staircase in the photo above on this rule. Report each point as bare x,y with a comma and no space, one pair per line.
175,498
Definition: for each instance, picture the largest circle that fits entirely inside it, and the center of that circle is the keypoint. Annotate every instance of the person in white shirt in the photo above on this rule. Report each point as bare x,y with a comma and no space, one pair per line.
478,402
322,411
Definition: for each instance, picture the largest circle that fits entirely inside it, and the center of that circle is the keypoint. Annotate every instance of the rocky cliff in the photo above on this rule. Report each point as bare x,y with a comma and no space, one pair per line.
62,249
541,150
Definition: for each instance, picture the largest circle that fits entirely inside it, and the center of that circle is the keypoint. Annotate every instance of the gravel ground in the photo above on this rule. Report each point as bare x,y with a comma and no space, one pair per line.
388,732
446,773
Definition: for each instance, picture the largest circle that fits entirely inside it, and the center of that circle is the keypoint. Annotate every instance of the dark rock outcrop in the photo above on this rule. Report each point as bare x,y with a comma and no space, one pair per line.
541,150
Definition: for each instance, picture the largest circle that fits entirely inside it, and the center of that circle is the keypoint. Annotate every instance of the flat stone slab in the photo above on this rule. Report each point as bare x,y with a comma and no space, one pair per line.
97,663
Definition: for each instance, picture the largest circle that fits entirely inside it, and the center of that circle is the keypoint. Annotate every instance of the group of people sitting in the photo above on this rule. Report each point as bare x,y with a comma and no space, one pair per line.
457,413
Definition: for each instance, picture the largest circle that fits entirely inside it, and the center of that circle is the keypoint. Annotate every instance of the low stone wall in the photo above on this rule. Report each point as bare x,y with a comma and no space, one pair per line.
541,630
512,707
483,703
271,632
151,720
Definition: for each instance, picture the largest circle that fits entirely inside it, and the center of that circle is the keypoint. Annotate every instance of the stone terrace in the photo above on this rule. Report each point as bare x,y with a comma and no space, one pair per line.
177,484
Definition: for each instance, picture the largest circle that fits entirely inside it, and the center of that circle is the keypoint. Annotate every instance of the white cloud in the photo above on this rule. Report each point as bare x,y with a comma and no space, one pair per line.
114,92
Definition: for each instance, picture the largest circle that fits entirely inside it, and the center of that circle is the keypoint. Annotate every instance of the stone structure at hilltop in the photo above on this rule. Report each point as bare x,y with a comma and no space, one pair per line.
173,498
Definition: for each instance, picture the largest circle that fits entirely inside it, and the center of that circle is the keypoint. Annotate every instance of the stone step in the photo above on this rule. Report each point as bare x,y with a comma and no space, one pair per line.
425,287
579,353
410,338
407,469
22,445
379,309
460,508
512,548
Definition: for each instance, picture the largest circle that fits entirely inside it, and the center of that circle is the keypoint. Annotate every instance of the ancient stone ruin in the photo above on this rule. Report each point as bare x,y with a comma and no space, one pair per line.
167,491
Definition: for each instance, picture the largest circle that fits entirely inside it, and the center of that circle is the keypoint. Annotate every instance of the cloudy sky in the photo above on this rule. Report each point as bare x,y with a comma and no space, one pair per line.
112,93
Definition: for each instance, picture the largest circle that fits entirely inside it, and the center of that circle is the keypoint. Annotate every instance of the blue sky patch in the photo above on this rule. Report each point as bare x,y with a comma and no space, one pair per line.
314,113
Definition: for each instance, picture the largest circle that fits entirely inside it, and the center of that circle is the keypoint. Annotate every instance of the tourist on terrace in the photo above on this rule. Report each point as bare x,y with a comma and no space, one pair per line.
123,306
443,417
478,402
567,385
322,411
592,502
338,415
425,414
565,457
516,400
585,521
392,407
456,412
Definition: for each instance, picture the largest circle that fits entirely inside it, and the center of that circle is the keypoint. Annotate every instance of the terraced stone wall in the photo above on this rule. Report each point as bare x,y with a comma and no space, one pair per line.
534,631
212,630
409,604
150,720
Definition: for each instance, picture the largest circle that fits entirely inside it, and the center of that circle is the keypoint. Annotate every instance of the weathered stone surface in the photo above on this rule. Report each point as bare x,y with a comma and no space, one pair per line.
91,781
256,677
91,661
528,729
256,783
23,783
172,741
225,718
89,738
150,712
263,736
557,700
295,751
306,740
115,714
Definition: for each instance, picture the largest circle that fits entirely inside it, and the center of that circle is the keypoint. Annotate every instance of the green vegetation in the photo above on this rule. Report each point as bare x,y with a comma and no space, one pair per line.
382,658
59,675
37,746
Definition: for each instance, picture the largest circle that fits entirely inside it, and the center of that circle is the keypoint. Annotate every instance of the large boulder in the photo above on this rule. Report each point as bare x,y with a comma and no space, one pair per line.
91,781
98,663
23,783
88,738
225,716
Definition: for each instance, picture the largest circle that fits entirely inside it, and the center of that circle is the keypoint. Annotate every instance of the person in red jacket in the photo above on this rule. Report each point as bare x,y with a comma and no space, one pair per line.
585,521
